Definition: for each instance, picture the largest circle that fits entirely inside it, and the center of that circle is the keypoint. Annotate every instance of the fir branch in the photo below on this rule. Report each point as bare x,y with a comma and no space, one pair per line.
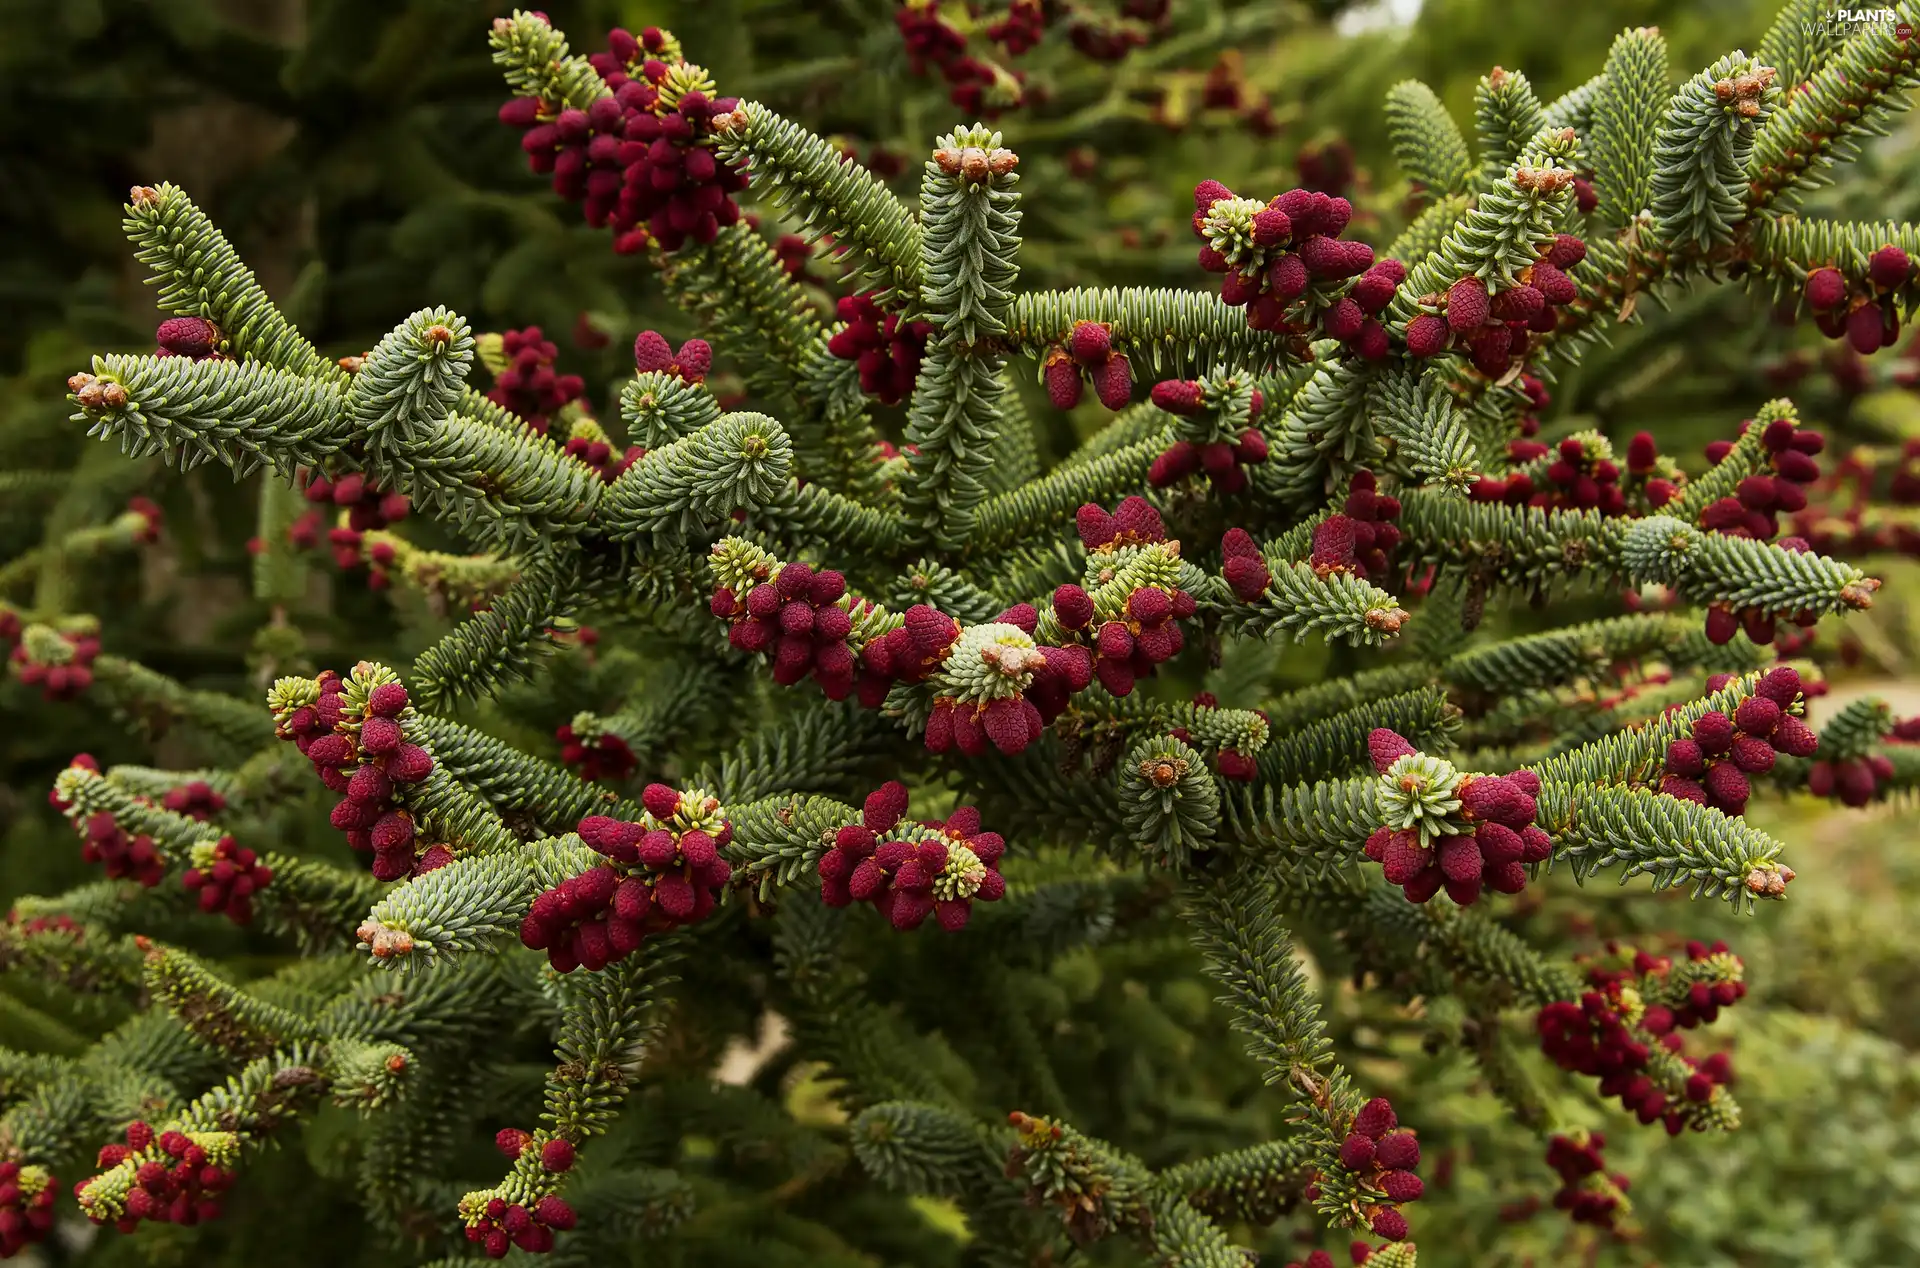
1628,110
1321,825
811,513
1800,39
1429,229
279,571
150,702
970,226
1250,953
757,316
1431,436
1324,699
927,580
812,181
739,462
1298,601
829,750
219,1015
1506,115
1782,250
659,408
1006,518
1676,842
501,644
779,840
605,1022
1167,332
1577,107
1335,747
533,56
1322,432
1559,656
1426,141
1255,1185
1701,152
414,377
200,275
512,782
467,905
243,415
1168,800
923,1149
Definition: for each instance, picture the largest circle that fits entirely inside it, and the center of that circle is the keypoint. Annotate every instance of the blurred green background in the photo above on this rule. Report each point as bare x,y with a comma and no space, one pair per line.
350,150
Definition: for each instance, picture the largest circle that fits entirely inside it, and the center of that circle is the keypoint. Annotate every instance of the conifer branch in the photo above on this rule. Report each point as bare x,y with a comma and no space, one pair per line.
811,181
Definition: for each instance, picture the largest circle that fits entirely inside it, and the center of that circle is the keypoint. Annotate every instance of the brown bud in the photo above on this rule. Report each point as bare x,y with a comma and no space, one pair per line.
352,364
1859,595
144,196
1724,89
1386,620
1748,109
90,395
949,161
974,165
386,943
113,396
439,334
503,27
1000,162
725,123
78,381
1164,773
1497,78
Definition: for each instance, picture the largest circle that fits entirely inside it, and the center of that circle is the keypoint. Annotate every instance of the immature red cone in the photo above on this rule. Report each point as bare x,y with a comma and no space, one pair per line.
1374,291
1178,396
1566,251
1826,288
1865,330
1061,374
1889,268
1205,195
1467,305
1072,607
1113,382
1388,1223
1426,335
1243,565
194,337
1333,546
1385,747
1091,342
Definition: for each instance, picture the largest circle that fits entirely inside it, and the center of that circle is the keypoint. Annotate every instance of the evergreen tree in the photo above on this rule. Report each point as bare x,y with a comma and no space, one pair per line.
830,616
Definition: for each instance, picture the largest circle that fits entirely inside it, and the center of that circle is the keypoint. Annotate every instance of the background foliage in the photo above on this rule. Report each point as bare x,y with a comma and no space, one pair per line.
350,150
